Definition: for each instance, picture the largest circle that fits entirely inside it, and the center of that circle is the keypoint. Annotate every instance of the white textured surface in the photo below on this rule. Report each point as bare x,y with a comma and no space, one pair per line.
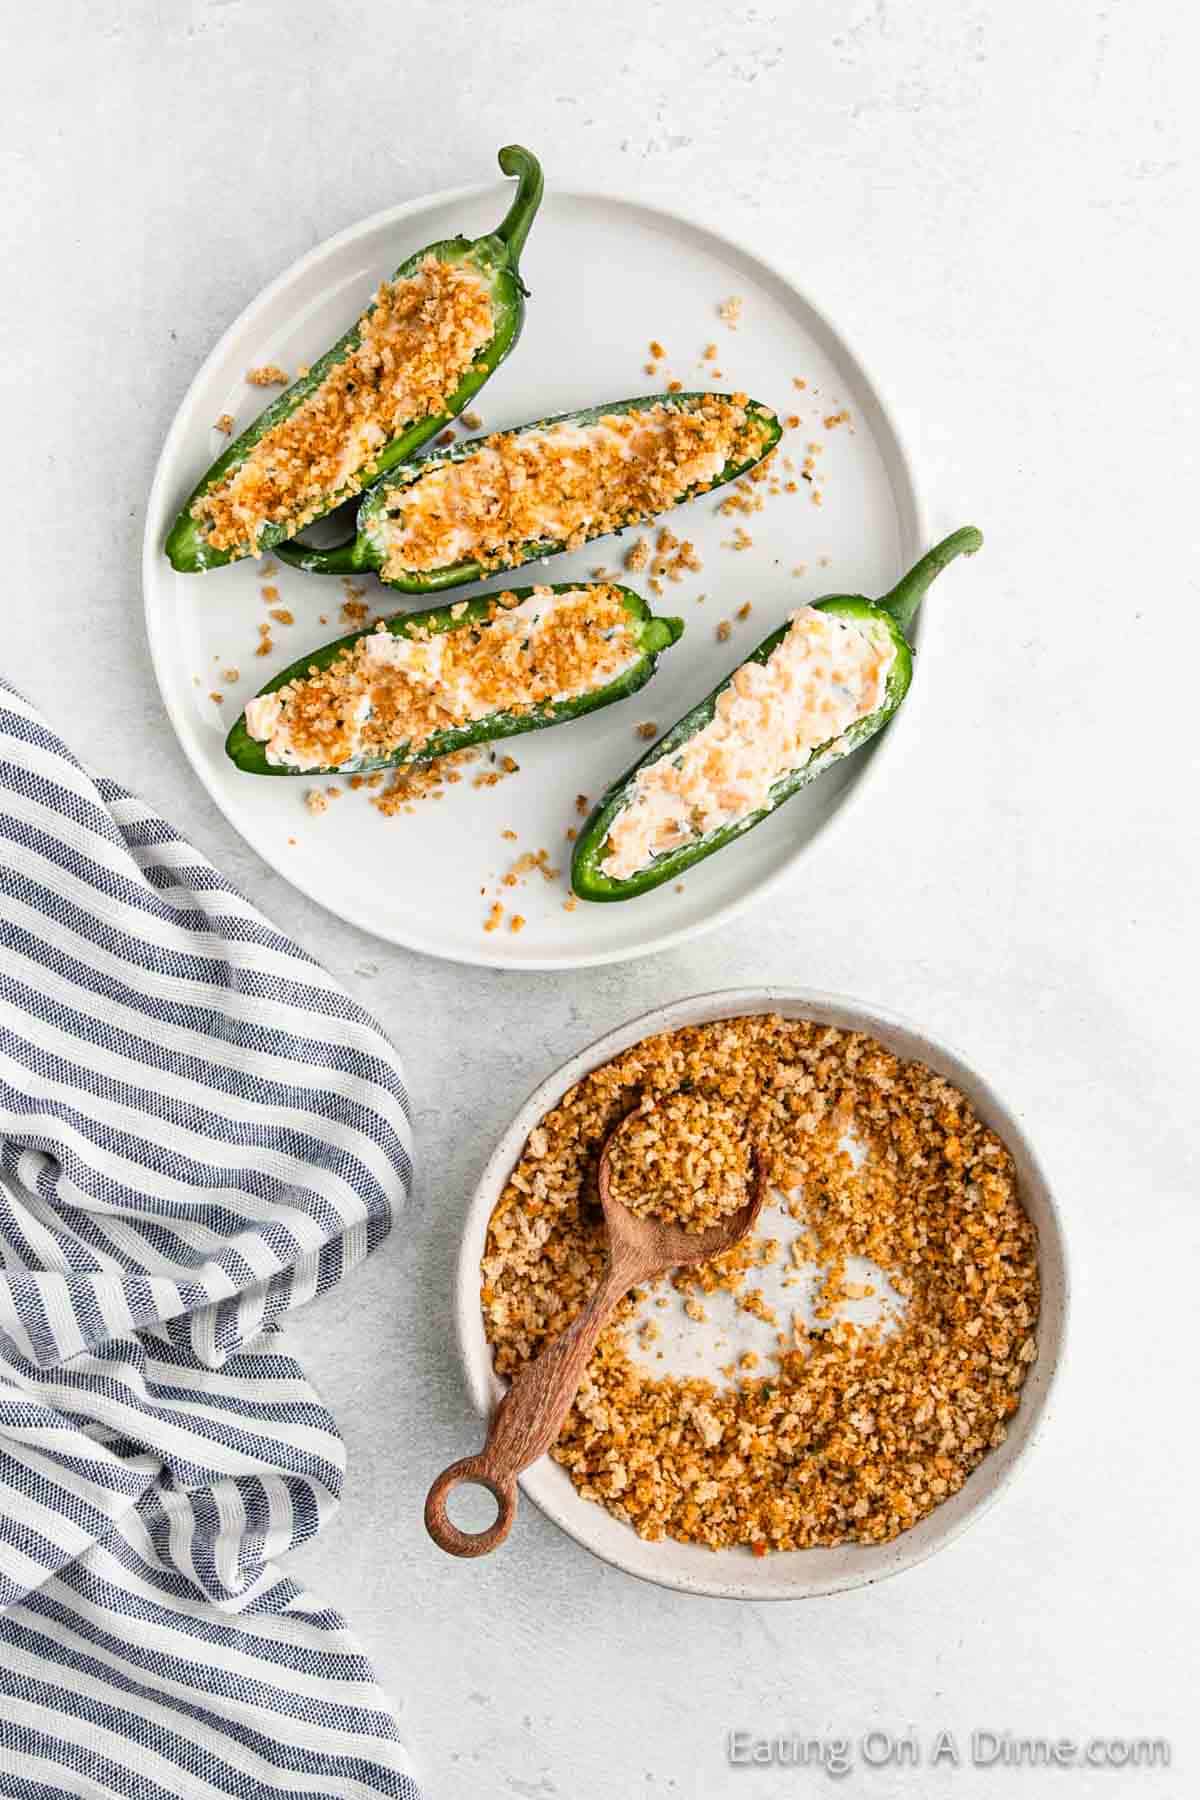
997,203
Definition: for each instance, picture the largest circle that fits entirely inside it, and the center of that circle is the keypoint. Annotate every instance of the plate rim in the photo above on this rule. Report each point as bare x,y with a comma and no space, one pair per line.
900,467
484,1387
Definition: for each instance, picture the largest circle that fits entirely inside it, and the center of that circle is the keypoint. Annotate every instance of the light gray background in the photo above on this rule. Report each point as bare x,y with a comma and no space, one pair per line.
998,204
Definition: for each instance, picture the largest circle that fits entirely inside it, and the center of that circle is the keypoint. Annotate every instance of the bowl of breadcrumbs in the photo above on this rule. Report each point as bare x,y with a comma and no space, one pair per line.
846,1390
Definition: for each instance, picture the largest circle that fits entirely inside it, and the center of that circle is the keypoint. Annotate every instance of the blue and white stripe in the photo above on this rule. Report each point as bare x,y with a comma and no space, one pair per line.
198,1130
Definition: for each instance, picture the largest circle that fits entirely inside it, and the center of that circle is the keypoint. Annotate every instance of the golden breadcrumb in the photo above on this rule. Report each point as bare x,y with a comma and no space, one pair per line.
857,1431
384,694
414,346
563,484
682,1158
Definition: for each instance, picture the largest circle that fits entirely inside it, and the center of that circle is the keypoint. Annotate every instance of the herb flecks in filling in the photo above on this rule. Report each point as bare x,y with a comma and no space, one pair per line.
563,484
825,675
387,693
414,348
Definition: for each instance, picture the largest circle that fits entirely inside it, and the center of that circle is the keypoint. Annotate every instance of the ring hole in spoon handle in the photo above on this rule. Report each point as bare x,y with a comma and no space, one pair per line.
442,1529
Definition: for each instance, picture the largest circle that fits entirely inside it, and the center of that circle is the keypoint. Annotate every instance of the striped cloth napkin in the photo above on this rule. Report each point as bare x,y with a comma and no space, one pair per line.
198,1130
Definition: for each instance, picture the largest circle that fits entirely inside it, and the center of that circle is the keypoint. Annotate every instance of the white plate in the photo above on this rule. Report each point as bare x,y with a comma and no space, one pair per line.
793,1574
607,275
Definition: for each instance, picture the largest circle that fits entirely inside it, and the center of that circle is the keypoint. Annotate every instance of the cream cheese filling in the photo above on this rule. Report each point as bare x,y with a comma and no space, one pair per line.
825,674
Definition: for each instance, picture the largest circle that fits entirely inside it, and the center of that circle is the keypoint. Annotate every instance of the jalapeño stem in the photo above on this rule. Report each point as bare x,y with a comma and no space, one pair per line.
911,589
514,229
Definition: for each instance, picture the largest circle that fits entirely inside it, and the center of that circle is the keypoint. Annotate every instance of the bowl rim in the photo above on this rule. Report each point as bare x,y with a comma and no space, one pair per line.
802,1573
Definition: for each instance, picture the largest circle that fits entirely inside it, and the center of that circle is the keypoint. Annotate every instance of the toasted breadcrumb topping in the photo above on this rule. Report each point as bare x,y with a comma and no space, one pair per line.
563,484
681,1158
384,694
414,346
858,1431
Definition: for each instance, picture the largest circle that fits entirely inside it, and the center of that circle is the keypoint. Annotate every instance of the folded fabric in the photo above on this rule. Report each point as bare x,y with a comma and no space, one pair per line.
198,1130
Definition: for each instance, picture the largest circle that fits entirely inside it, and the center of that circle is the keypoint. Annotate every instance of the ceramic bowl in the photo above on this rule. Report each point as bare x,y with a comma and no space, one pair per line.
783,1575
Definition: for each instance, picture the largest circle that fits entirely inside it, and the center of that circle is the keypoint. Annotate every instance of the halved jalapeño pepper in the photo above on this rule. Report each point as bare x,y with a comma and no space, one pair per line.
425,684
494,503
415,358
815,690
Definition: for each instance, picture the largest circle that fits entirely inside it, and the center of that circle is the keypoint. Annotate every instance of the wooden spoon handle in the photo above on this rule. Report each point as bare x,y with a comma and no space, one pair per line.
526,1421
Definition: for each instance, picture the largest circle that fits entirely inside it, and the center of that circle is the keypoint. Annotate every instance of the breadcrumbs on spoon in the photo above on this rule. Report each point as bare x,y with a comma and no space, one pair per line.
681,1158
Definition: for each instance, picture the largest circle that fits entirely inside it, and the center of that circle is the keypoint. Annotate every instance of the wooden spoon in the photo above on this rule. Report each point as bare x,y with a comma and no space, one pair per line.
530,1415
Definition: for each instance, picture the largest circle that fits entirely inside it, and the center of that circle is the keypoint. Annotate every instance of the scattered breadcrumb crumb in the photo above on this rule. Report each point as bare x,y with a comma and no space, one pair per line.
674,557
282,616
743,612
494,917
216,698
833,420
517,922
269,375
225,424
472,421
724,631
730,311
529,862
316,801
647,729
231,675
